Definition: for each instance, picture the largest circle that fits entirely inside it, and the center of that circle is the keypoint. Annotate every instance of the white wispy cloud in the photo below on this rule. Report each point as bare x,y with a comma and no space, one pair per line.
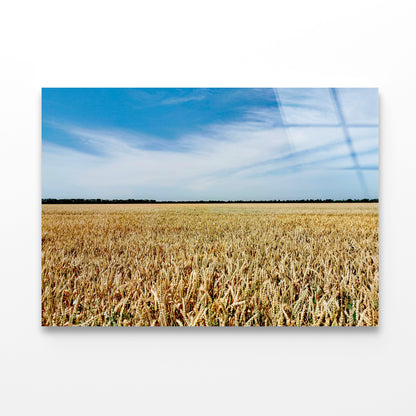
307,106
181,100
360,105
159,97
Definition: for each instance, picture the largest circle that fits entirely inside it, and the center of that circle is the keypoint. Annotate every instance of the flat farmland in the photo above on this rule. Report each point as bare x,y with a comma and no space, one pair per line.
210,265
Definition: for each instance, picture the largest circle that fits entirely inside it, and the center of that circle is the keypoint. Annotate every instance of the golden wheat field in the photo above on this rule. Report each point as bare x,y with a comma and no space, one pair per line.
210,265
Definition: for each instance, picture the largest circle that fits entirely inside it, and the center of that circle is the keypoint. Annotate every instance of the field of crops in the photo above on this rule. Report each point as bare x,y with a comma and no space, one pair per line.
210,265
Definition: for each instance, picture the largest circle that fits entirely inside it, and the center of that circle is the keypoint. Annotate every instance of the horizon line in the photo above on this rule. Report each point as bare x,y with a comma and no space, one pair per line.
210,201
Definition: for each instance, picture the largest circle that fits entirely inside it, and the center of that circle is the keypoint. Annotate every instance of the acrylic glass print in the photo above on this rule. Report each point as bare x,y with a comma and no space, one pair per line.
210,207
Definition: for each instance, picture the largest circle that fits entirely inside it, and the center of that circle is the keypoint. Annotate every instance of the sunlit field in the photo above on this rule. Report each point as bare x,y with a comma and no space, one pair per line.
210,265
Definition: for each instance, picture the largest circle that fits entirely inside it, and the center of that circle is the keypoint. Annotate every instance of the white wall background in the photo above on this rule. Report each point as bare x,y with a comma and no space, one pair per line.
354,43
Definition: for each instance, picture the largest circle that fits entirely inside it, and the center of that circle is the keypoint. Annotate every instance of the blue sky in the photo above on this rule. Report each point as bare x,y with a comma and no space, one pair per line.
198,143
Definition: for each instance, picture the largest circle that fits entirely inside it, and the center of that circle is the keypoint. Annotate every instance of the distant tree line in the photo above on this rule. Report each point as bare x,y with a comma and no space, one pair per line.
97,201
153,201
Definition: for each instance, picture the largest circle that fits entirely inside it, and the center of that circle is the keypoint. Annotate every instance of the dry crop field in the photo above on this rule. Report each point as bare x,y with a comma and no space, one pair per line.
210,265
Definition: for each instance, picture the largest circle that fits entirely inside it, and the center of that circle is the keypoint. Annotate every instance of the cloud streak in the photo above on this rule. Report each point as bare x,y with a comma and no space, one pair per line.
181,100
